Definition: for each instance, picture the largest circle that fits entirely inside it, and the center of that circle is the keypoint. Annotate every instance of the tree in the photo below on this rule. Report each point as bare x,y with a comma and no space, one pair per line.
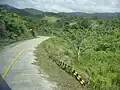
3,31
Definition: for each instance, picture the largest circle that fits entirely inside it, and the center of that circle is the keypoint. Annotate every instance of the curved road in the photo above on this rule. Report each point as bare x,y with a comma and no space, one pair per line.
23,75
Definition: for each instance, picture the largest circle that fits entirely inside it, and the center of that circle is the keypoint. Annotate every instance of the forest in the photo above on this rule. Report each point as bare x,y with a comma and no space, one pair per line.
89,44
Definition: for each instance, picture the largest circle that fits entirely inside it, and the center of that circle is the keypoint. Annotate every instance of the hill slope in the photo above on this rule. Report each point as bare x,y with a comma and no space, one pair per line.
33,11
27,11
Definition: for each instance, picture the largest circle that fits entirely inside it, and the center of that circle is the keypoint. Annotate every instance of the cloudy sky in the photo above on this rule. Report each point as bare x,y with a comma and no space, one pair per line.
67,5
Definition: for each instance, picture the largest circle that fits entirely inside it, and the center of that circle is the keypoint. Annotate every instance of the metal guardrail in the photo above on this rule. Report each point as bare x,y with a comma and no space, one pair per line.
68,69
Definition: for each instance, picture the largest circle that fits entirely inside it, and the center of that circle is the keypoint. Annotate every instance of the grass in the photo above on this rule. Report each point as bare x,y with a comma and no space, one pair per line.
51,19
62,51
99,67
64,81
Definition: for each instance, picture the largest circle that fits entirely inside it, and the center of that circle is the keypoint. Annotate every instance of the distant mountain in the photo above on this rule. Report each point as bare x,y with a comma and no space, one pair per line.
37,14
105,15
16,10
99,15
27,11
33,11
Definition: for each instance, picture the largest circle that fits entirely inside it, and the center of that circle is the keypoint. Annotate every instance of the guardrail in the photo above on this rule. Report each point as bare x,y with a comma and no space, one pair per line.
69,70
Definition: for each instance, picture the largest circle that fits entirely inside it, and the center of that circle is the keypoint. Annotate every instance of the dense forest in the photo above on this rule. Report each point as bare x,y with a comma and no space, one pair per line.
92,45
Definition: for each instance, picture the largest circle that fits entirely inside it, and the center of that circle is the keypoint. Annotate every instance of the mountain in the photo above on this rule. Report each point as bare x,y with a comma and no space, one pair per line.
37,14
105,15
27,11
16,10
33,11
99,15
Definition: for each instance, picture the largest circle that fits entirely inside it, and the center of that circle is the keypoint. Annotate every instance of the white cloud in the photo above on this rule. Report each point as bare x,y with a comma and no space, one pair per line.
68,5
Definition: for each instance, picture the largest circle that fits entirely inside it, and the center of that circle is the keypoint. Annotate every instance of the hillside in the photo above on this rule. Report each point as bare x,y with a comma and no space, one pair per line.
33,11
13,9
27,11
14,27
91,47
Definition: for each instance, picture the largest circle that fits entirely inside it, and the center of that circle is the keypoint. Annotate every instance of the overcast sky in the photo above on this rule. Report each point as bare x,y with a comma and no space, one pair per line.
67,5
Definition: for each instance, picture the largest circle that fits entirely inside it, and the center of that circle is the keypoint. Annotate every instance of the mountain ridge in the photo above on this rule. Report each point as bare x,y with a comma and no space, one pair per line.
37,13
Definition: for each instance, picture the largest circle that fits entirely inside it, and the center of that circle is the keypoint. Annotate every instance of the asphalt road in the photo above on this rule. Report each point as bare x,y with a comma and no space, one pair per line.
23,75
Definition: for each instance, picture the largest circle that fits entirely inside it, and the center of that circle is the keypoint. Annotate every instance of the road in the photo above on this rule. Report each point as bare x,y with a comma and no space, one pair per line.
23,75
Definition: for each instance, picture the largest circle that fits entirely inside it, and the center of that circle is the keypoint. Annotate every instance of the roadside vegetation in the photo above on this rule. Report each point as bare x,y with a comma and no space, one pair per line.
63,80
14,27
90,45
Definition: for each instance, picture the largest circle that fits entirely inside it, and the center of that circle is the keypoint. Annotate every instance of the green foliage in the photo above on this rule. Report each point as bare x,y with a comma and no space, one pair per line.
14,27
84,23
92,49
92,46
51,19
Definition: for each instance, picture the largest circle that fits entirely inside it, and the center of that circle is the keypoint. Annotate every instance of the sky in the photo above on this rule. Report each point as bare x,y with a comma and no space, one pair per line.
88,6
